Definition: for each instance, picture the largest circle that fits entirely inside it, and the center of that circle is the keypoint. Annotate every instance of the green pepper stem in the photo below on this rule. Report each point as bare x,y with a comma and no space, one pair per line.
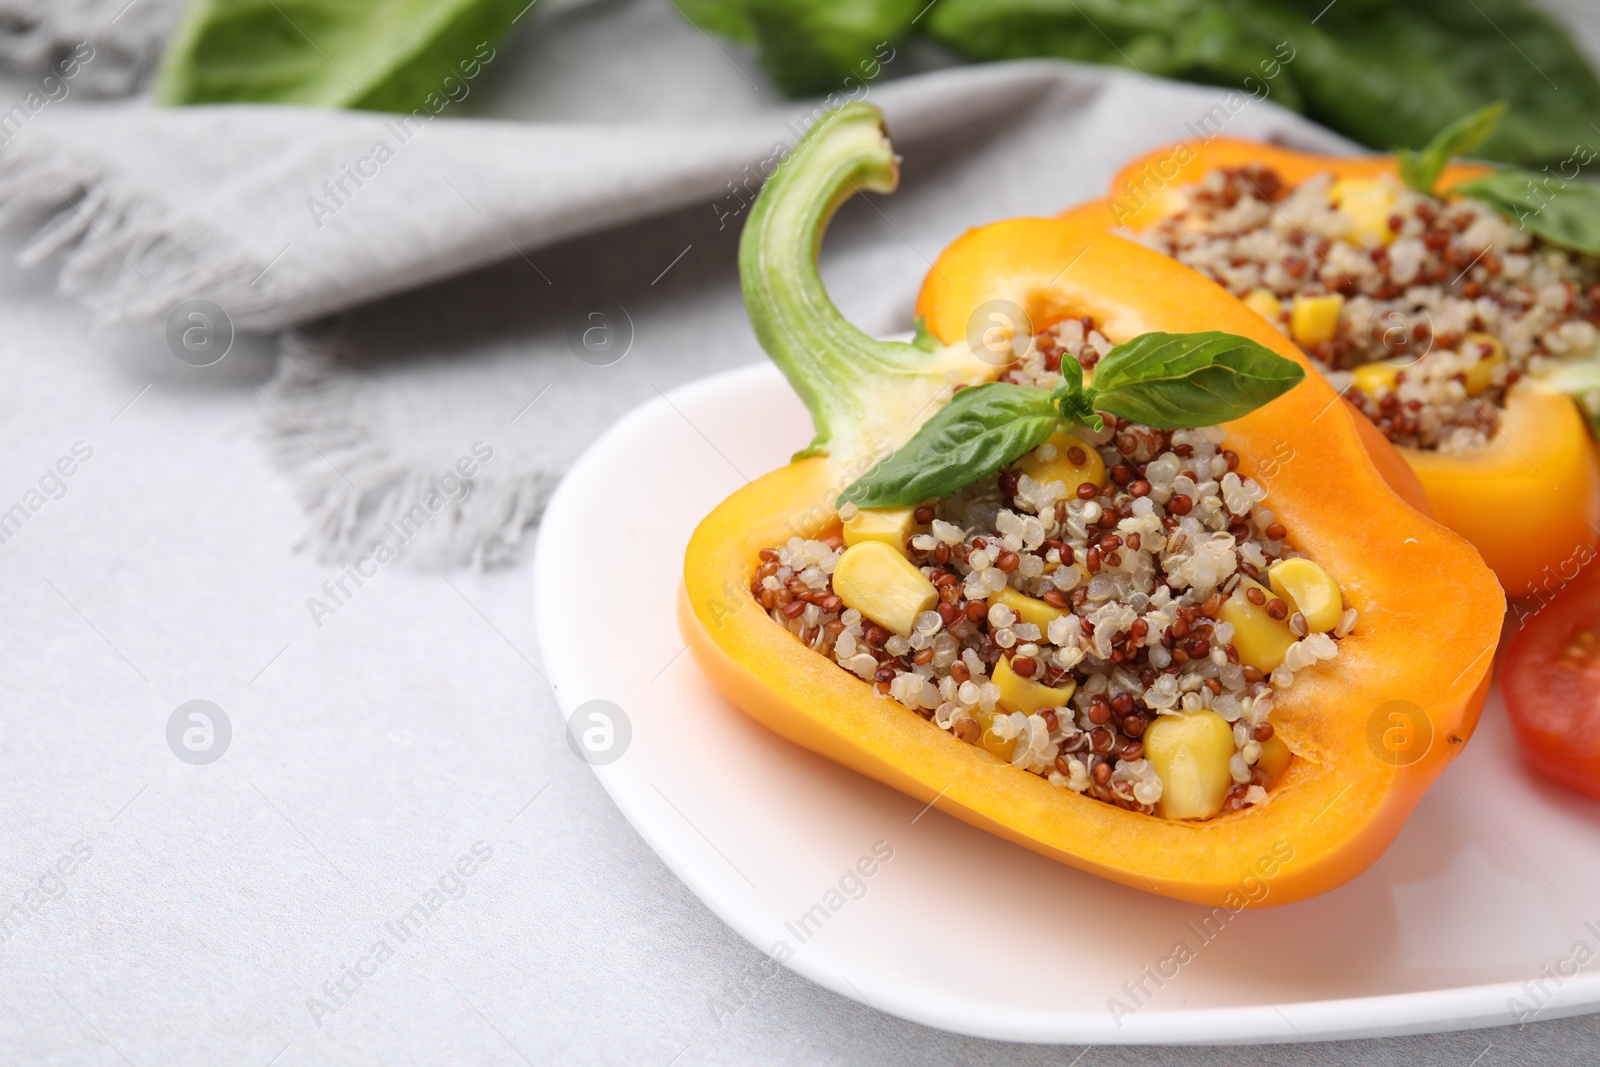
864,395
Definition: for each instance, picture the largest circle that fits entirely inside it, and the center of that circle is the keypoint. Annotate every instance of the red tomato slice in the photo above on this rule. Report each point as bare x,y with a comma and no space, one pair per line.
1550,678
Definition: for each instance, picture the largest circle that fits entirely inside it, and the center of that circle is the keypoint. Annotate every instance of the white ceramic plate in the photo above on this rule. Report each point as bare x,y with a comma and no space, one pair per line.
1491,884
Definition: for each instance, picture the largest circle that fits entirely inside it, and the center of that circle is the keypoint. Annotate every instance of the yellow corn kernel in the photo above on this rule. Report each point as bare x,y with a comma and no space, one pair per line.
1274,759
1369,202
1062,468
1481,376
1263,303
1375,379
1026,695
892,526
1191,753
1028,608
1306,588
883,585
1315,318
1260,640
989,740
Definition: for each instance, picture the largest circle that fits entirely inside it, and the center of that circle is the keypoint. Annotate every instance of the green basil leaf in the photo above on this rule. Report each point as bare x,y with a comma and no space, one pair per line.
381,55
981,430
1562,211
1420,170
1183,380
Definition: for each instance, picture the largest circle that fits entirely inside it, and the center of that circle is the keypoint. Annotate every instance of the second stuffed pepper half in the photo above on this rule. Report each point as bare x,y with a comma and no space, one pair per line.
1454,304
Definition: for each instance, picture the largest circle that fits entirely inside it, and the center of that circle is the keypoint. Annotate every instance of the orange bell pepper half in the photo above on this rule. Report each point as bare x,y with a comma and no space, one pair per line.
1429,609
1530,501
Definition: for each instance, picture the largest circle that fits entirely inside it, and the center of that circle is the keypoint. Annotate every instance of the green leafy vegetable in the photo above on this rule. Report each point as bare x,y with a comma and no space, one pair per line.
1175,381
1384,72
1200,39
981,430
381,55
1166,380
1393,73
1562,211
725,17
812,46
823,46
1420,170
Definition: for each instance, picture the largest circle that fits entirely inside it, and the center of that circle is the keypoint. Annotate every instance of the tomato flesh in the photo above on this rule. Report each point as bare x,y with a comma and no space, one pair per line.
1550,678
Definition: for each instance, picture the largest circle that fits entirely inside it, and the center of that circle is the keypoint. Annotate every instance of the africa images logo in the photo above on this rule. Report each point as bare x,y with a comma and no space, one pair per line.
1399,733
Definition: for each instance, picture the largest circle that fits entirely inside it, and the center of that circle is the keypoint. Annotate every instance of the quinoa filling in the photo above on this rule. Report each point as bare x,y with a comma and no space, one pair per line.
1423,311
1074,614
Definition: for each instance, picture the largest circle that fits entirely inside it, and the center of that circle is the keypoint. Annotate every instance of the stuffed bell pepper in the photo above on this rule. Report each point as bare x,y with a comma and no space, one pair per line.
1130,593
1455,305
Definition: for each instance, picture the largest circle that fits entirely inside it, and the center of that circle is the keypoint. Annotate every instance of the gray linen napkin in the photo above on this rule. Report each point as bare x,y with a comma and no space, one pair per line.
284,215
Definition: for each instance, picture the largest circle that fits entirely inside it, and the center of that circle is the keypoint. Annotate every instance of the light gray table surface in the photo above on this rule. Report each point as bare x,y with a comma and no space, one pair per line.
208,905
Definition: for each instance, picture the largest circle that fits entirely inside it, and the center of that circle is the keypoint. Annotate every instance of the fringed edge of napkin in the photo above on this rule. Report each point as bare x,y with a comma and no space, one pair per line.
357,495
123,255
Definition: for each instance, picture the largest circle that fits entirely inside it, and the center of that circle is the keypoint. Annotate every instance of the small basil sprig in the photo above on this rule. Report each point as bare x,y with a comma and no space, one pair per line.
1169,381
1420,170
